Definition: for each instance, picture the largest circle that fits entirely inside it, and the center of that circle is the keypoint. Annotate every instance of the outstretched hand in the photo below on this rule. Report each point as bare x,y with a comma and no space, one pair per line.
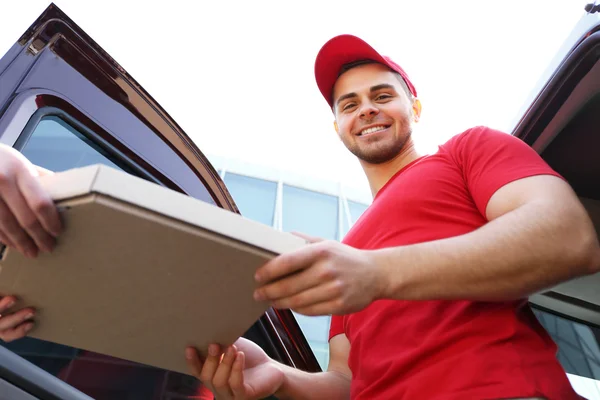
242,371
322,278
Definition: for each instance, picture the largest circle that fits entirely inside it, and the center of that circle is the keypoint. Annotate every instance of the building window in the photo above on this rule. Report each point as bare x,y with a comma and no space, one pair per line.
254,197
310,212
356,210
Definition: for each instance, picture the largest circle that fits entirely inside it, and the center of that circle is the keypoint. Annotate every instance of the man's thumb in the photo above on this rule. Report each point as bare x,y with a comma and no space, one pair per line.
308,238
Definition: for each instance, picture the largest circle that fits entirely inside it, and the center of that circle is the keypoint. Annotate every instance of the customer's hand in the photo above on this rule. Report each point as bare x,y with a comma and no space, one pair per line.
242,371
29,223
14,325
29,220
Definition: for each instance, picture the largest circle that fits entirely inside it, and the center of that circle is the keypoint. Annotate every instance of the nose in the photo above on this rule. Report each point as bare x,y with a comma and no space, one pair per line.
368,111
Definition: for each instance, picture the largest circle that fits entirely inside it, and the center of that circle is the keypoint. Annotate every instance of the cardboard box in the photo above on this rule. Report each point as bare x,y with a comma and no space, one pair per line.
141,271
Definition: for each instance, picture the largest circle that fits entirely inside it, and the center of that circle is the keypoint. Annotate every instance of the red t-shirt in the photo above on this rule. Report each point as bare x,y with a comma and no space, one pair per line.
448,349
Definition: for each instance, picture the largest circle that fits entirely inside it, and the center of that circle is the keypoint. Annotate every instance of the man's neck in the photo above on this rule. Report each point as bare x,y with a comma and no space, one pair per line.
379,174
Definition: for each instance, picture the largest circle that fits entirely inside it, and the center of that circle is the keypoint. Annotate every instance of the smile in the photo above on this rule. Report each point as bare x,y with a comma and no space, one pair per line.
372,129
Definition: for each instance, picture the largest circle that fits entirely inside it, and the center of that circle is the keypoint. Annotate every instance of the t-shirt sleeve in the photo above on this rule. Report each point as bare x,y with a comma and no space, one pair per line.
490,159
336,326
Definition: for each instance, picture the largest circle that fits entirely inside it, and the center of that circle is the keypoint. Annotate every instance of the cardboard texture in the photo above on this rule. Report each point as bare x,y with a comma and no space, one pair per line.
142,271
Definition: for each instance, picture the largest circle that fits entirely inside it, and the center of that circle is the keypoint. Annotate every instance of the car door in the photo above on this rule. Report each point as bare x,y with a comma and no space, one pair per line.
65,103
562,123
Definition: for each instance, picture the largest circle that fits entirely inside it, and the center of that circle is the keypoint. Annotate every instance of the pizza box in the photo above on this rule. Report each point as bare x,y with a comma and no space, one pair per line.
142,271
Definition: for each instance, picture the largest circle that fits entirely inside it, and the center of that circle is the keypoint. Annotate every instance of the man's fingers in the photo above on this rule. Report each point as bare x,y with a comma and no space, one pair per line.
308,238
312,296
15,233
11,321
236,380
210,366
295,283
287,264
193,361
221,378
41,204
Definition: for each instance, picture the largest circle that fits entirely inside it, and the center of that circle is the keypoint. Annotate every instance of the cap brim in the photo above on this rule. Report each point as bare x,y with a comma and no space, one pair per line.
336,53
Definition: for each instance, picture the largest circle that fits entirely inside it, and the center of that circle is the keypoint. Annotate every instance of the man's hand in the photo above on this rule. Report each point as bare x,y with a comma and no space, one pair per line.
241,372
325,277
29,223
29,220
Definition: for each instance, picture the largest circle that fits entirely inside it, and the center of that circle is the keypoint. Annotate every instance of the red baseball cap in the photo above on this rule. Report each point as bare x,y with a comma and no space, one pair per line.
344,49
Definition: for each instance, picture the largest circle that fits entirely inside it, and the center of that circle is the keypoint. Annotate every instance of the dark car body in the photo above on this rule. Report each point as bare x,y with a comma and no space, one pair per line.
57,77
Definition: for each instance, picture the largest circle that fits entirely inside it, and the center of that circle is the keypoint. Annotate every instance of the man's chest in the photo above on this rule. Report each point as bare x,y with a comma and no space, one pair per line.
428,201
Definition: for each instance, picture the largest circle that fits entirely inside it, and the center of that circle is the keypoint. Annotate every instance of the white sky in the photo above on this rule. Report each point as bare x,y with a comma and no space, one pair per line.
238,75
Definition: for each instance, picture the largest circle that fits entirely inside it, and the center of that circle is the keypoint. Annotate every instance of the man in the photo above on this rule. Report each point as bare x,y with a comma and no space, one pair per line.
428,291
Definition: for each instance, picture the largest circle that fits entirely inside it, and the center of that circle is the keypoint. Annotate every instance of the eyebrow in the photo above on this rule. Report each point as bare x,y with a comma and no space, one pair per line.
372,89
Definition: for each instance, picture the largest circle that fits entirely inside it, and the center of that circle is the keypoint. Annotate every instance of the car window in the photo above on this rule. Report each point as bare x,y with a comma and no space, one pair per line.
578,351
56,144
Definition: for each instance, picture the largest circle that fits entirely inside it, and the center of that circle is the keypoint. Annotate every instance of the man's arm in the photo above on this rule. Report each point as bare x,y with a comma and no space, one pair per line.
539,234
333,384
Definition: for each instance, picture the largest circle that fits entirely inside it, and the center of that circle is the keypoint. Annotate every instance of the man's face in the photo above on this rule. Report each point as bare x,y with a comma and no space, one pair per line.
373,113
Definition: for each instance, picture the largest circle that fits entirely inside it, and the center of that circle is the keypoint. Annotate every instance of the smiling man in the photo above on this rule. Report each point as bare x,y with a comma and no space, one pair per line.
428,290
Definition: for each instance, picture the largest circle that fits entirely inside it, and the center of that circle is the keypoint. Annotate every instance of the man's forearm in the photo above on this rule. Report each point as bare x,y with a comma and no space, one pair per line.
300,385
524,251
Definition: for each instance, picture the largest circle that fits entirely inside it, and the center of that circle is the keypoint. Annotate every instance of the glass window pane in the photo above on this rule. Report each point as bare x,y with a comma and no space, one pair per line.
254,197
58,146
310,212
316,331
356,210
578,352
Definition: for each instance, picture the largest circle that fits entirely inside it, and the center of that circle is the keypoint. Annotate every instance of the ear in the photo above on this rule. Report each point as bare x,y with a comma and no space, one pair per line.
416,108
336,127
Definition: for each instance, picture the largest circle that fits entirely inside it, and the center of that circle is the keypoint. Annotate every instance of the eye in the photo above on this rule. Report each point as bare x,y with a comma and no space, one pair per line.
383,96
348,106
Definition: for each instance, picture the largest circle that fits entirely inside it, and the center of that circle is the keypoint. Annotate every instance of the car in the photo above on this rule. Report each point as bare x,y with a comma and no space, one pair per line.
64,103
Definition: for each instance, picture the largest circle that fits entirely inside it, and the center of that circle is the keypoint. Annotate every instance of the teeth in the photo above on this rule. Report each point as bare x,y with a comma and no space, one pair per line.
371,130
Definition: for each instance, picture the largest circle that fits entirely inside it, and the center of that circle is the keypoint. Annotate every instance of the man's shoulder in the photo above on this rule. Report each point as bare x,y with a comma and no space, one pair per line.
478,137
475,132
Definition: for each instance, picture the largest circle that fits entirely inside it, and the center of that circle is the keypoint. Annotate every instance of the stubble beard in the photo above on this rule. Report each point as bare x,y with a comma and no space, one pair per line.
379,153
